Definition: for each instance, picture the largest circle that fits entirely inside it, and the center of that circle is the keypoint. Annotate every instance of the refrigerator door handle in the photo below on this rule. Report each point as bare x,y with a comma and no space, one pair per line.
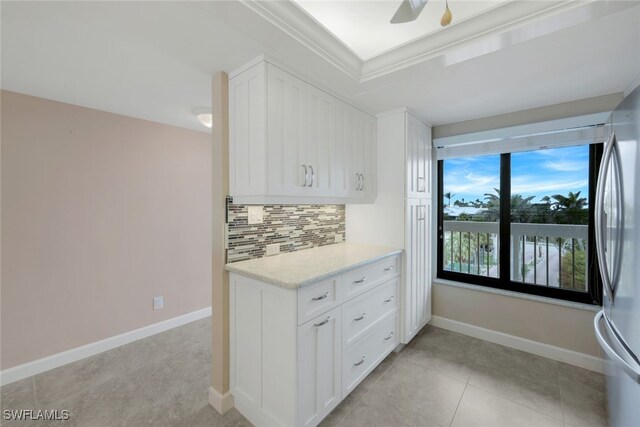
600,224
615,157
632,371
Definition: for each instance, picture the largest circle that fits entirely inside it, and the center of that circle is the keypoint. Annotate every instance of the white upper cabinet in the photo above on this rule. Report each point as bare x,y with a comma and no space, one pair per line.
287,148
247,122
418,146
290,142
346,176
320,142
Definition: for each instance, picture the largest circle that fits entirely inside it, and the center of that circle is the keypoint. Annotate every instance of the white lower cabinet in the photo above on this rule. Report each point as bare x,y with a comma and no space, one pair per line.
288,369
319,388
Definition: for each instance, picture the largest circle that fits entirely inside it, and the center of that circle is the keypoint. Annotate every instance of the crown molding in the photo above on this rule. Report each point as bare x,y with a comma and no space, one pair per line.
497,28
289,18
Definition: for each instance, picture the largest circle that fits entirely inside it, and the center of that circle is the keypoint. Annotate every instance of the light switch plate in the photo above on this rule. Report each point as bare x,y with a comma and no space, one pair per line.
256,214
273,249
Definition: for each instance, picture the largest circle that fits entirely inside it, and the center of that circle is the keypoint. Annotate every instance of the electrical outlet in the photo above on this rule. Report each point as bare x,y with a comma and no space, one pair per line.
338,238
158,302
256,214
273,249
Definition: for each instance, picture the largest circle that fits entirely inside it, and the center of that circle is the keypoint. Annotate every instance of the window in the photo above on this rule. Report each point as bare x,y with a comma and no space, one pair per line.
538,239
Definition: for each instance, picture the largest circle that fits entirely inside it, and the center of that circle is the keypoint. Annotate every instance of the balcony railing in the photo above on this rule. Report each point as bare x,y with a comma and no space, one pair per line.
542,254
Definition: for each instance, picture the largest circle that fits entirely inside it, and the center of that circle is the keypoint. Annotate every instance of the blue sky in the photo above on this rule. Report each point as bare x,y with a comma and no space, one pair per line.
533,173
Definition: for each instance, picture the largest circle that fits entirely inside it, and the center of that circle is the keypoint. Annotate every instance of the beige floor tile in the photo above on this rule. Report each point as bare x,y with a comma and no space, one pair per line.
537,393
518,363
583,396
18,395
479,408
445,352
408,394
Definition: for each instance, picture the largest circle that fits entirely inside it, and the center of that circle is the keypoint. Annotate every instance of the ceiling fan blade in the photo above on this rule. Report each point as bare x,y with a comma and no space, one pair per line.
408,11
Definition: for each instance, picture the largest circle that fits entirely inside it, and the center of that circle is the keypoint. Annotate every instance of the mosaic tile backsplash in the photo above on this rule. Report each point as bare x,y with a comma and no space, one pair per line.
294,227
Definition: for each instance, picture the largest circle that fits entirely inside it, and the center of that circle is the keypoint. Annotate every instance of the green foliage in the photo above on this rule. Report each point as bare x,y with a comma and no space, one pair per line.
567,271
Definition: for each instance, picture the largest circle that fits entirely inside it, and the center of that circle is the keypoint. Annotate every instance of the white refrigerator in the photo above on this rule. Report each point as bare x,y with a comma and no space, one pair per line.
617,325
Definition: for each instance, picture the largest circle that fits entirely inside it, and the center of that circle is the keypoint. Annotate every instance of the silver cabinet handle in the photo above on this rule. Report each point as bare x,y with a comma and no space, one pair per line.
357,181
390,268
324,322
306,175
326,294
389,337
633,372
357,319
389,299
360,362
313,176
364,182
360,280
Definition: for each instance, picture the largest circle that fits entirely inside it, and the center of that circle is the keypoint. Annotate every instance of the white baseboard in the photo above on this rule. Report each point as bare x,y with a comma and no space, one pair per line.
35,367
541,349
220,402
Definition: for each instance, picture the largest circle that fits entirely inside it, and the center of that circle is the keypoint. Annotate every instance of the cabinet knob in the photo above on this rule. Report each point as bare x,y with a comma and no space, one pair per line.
360,280
360,362
389,299
389,337
390,268
357,319
321,297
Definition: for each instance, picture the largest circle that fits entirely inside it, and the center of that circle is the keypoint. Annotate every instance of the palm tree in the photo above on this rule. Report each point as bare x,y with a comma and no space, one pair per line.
521,208
571,209
449,195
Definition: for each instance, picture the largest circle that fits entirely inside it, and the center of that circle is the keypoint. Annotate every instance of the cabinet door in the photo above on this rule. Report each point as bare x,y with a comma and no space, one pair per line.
345,146
286,117
320,142
428,147
417,278
319,367
368,153
418,149
247,132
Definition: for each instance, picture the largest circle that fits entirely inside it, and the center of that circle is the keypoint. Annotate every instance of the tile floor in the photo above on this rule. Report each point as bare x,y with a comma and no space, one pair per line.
440,379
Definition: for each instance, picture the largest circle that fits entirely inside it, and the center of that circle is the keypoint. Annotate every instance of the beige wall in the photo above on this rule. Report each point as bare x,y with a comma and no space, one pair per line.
100,213
560,326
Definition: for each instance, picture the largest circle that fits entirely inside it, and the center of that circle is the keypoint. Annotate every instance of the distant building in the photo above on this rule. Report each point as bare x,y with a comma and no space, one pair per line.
455,211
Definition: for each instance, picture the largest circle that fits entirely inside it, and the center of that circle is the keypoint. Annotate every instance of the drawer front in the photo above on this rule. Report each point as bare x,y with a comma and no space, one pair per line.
315,299
360,280
359,360
364,312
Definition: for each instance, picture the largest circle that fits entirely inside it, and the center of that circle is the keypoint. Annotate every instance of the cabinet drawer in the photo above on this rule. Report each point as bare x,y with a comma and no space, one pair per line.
364,312
313,300
360,280
359,360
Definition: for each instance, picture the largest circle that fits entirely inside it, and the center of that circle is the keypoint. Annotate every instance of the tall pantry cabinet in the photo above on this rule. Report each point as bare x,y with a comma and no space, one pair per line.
402,213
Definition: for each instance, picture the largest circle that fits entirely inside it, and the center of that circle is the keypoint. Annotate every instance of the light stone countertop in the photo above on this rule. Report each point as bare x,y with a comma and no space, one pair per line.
295,269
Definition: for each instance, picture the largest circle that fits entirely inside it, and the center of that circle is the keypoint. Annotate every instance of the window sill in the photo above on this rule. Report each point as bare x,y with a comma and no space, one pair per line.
546,300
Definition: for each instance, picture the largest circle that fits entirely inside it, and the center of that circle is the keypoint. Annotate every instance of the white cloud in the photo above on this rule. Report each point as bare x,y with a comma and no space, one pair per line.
527,186
566,166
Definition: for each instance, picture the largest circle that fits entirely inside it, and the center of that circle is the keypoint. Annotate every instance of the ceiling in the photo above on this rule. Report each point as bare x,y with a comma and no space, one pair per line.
154,60
350,20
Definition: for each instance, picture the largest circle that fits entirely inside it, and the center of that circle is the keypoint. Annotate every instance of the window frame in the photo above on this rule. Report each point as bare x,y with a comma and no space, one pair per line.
593,296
